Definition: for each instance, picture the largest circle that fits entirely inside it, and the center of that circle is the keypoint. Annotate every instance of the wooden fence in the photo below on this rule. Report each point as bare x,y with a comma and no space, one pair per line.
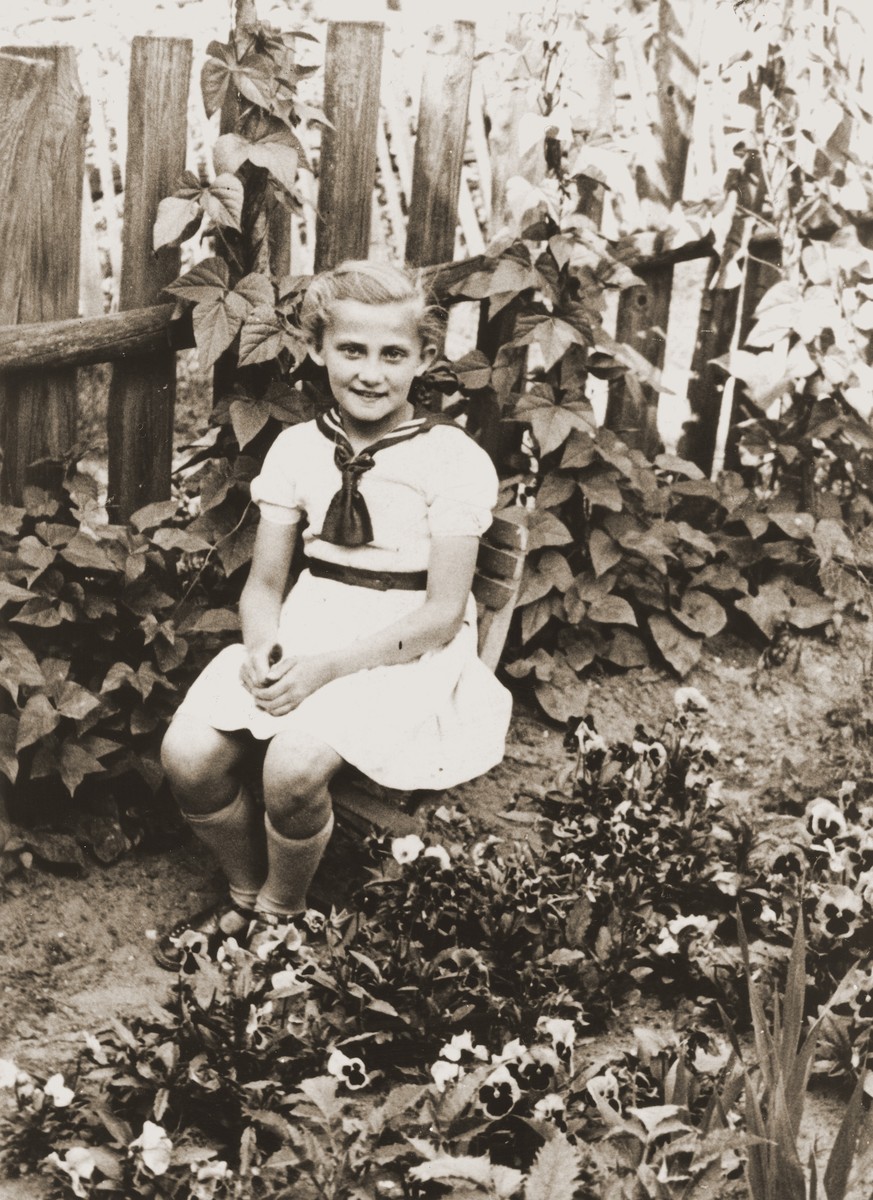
42,153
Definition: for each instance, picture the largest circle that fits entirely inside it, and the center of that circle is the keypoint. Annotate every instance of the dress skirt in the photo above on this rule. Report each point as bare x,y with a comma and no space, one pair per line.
430,723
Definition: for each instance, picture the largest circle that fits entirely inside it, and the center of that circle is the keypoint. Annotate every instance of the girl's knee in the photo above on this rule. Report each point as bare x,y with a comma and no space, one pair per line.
196,762
296,775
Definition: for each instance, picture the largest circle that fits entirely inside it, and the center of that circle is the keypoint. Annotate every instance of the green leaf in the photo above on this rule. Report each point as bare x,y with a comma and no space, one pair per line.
603,551
321,1091
38,718
701,613
8,753
600,487
550,571
152,515
180,539
84,552
248,418
257,290
767,609
11,519
553,336
16,657
229,153
216,620
10,591
75,764
509,275
546,530
262,337
563,694
223,201
75,701
278,153
208,280
216,324
799,525
611,610
473,371
215,76
776,316
626,649
176,221
555,1171
552,423
680,650
679,466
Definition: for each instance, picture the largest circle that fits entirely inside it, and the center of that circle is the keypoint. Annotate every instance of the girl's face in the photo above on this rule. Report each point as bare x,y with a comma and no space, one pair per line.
372,353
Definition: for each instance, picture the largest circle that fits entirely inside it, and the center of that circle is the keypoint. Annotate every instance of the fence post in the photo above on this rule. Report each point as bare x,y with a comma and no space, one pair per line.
347,168
42,162
142,394
643,311
440,140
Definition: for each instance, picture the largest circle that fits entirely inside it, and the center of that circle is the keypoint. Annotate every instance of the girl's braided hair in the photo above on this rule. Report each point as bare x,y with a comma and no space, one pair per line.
369,283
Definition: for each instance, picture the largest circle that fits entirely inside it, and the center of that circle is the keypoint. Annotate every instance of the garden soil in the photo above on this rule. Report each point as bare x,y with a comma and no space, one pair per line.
76,950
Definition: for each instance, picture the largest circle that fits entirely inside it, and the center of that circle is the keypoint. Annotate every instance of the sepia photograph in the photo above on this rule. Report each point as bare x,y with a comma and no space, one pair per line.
436,600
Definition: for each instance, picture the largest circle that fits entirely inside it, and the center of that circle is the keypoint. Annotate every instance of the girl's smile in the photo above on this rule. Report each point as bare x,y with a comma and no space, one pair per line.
372,353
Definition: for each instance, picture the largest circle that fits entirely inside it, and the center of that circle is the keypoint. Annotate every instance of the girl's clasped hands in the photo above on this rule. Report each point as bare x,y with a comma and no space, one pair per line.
279,683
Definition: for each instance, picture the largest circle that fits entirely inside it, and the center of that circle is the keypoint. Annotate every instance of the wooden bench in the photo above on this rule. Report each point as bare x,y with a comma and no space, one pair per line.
496,586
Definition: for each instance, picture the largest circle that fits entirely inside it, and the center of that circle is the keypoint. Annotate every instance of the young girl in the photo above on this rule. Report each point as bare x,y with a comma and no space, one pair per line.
371,658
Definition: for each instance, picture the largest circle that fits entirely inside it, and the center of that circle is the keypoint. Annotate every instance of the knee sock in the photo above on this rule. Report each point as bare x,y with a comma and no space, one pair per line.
235,835
292,864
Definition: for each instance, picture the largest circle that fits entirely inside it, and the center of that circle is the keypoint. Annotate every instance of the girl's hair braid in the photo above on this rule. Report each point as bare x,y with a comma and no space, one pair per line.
369,283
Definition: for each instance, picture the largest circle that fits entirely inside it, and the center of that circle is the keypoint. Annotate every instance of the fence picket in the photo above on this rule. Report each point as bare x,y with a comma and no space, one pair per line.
42,162
352,75
439,144
142,394
643,312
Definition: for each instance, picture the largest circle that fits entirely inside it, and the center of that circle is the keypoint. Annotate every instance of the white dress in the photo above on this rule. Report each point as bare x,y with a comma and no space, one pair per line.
430,723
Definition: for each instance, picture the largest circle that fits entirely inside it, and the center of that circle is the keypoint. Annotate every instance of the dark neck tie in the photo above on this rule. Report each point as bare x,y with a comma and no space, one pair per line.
347,520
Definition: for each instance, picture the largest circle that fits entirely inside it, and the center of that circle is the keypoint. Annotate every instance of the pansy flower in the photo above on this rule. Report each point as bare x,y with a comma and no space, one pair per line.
861,1000
406,849
462,1043
351,1071
551,1108
604,1091
561,1033
786,861
78,1164
208,1177
58,1092
8,1073
153,1147
837,912
690,699
441,855
824,818
443,1072
500,1093
537,1071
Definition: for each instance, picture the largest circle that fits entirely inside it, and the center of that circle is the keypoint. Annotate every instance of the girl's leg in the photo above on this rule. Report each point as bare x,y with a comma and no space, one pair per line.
202,764
299,818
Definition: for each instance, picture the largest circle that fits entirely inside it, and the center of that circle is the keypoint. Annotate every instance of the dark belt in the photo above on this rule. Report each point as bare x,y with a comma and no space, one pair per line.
384,581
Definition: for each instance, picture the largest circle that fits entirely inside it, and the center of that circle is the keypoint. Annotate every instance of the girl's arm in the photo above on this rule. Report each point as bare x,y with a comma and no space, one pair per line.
449,579
262,597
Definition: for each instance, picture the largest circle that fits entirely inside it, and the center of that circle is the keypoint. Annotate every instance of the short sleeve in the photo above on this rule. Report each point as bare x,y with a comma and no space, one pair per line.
464,493
275,490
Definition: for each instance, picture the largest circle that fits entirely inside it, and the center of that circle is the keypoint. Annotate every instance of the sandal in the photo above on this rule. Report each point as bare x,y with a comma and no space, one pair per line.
223,919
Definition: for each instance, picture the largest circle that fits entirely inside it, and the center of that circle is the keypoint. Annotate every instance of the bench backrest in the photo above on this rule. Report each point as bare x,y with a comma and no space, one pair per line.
497,582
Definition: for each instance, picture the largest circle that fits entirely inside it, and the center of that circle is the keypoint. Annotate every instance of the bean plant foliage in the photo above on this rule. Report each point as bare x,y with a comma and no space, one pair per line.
437,1038
633,558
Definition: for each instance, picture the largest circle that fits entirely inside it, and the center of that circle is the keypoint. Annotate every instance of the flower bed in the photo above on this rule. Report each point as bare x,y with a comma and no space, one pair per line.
437,1039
